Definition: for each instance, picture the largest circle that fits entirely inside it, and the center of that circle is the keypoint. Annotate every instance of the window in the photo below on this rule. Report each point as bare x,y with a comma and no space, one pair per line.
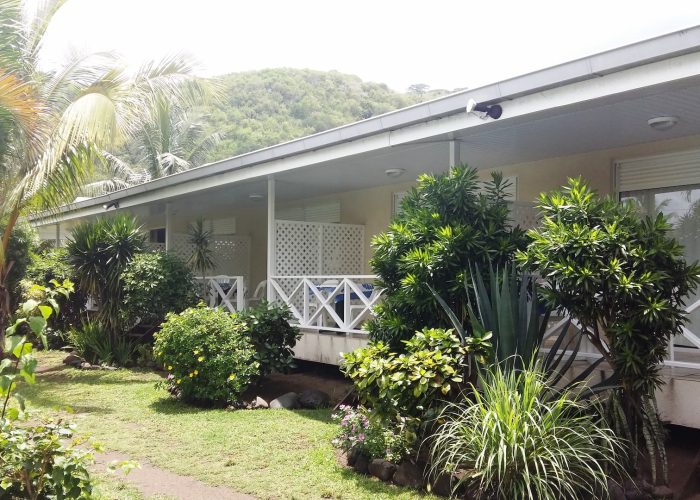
157,235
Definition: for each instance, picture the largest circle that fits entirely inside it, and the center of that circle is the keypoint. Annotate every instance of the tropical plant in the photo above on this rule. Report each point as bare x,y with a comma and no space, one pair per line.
208,355
22,243
45,266
33,315
99,251
38,462
513,439
51,125
202,258
447,223
408,388
167,141
92,341
155,284
625,280
272,336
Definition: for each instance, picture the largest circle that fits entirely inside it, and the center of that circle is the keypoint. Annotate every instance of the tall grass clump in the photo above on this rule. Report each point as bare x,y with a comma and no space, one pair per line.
520,438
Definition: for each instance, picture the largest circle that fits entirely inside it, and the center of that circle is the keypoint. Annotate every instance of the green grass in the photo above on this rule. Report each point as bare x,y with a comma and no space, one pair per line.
266,453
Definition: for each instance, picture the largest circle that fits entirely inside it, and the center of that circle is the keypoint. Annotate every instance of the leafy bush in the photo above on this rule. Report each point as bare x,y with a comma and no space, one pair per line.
45,266
99,251
516,441
155,284
93,343
22,241
272,336
208,354
447,223
624,279
36,462
409,388
364,435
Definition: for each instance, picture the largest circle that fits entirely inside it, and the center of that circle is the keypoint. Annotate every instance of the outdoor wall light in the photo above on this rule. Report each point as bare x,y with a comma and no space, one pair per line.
662,123
394,172
493,111
113,204
255,196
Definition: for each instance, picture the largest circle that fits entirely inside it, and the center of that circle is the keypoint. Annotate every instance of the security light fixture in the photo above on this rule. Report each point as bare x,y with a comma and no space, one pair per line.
394,172
255,197
112,204
662,123
483,110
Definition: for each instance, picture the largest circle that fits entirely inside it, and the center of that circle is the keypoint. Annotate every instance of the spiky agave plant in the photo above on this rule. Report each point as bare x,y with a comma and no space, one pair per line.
521,438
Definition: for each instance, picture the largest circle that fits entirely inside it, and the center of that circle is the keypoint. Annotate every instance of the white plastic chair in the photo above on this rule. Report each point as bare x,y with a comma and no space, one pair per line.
259,293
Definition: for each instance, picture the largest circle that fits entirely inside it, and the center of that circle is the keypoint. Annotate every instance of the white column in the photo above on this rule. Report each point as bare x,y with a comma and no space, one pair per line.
168,228
454,153
58,234
271,235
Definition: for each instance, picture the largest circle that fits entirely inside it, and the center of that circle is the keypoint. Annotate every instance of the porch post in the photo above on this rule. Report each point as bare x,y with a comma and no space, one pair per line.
168,229
271,235
58,234
454,153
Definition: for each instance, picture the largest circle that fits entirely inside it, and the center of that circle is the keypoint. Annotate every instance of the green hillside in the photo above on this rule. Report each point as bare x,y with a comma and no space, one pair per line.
262,108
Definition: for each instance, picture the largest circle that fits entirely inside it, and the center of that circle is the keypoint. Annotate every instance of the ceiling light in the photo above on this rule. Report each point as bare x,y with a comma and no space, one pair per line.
662,123
394,172
255,196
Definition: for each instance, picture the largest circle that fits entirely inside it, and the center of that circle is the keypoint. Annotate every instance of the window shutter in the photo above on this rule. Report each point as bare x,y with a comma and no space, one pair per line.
223,226
326,212
668,170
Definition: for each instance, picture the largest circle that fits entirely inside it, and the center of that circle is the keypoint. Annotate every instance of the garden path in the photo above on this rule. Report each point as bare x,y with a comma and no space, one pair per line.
152,481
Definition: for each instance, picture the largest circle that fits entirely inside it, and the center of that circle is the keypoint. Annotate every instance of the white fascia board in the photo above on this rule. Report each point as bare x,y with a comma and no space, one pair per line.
522,108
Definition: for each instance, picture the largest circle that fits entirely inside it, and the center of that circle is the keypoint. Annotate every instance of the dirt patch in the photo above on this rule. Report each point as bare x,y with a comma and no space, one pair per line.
150,481
306,376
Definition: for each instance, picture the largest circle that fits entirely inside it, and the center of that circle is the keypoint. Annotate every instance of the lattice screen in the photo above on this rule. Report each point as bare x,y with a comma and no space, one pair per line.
316,248
343,249
231,253
524,214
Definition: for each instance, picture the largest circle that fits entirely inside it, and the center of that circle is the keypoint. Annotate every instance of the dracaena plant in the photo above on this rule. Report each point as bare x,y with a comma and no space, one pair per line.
625,280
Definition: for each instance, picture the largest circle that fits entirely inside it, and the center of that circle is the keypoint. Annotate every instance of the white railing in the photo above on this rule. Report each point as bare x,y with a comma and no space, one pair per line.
690,354
225,291
334,303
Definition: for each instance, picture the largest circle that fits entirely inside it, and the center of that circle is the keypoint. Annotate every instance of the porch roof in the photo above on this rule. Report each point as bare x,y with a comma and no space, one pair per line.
569,91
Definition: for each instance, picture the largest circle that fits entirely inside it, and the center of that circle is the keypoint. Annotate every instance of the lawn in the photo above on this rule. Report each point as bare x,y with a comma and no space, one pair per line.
266,453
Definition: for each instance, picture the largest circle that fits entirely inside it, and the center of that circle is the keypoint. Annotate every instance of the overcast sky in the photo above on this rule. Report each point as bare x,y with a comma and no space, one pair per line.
445,44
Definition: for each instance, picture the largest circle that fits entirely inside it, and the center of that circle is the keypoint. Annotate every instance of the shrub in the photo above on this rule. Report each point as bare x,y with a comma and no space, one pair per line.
208,355
272,336
359,433
36,462
515,440
409,388
625,280
447,223
45,266
155,284
99,251
22,241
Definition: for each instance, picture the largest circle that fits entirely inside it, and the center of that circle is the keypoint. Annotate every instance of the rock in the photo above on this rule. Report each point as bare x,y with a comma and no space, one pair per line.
287,401
68,348
107,367
615,490
662,491
259,402
73,360
87,366
313,399
383,469
361,464
409,475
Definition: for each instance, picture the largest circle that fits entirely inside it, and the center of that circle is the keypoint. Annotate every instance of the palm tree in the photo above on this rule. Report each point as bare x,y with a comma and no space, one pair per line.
53,126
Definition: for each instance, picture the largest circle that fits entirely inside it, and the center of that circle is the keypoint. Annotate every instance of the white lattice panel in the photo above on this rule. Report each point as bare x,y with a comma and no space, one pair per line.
297,248
231,254
343,249
524,215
